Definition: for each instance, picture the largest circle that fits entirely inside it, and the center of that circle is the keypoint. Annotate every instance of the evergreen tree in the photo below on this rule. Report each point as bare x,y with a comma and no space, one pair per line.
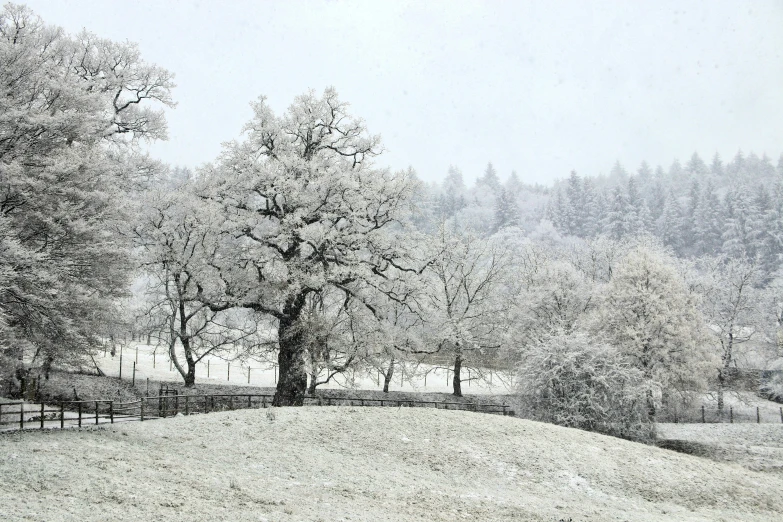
707,223
489,179
670,223
506,210
452,199
513,185
574,210
717,166
696,167
737,232
675,171
615,223
593,207
656,201
633,213
618,174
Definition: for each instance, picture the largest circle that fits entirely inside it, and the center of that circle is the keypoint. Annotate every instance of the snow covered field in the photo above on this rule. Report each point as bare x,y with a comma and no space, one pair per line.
391,464
156,367
755,446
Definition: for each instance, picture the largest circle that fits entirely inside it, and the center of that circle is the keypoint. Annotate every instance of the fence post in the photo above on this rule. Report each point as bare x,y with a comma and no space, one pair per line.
111,412
141,410
96,413
425,379
137,353
702,414
231,403
133,382
148,386
758,416
62,415
120,363
248,374
263,401
21,415
187,404
42,415
249,402
207,370
154,356
731,414
80,414
228,372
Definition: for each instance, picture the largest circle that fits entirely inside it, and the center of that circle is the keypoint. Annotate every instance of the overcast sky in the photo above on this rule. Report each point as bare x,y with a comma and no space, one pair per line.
536,87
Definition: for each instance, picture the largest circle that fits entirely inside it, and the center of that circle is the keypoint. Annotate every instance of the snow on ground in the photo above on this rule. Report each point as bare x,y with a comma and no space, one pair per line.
262,373
391,464
755,446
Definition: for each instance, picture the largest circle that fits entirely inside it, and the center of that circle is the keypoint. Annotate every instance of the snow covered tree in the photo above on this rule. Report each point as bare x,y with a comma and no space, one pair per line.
173,237
574,381
650,315
467,308
732,307
506,210
71,110
303,211
489,179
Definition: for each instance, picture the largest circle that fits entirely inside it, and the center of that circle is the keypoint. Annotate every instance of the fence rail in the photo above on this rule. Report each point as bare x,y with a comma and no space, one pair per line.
68,414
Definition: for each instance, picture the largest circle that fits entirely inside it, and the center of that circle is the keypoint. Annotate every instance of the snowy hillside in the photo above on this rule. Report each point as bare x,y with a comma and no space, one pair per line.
365,464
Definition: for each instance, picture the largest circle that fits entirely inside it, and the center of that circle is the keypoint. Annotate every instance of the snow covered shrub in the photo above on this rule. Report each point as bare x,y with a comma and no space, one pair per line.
571,381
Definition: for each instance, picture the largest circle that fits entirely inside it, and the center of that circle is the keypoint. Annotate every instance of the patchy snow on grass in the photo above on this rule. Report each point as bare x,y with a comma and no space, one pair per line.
395,464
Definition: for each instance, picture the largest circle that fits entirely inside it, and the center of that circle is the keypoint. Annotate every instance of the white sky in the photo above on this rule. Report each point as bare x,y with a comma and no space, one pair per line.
537,87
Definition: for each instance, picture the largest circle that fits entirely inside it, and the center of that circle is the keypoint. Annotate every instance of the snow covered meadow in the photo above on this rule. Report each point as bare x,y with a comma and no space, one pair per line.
396,464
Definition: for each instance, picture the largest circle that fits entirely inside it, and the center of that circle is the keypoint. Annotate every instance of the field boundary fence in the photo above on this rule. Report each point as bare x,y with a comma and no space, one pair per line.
729,415
16,416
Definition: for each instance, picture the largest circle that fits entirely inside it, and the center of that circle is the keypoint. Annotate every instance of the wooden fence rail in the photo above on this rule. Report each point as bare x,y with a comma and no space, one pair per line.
21,415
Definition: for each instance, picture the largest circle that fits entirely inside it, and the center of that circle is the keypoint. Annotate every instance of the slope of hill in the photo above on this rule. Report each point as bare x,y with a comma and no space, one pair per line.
365,464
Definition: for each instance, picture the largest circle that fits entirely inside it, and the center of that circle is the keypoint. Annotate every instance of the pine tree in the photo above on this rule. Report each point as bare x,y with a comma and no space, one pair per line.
737,233
616,223
513,185
717,166
574,210
696,167
633,212
506,210
593,206
670,223
490,179
707,223
656,201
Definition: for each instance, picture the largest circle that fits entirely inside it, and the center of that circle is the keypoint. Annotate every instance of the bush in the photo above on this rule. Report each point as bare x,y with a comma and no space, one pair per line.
568,381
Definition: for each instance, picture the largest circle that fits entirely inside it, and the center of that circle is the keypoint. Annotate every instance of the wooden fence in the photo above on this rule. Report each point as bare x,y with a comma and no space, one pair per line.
730,414
70,414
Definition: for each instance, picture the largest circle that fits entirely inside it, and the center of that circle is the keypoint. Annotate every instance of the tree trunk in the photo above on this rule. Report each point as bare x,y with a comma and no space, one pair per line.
313,379
722,374
292,381
190,377
388,376
47,366
457,380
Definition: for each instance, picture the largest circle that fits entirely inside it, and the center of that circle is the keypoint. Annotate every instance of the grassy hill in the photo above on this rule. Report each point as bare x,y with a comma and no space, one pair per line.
346,463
